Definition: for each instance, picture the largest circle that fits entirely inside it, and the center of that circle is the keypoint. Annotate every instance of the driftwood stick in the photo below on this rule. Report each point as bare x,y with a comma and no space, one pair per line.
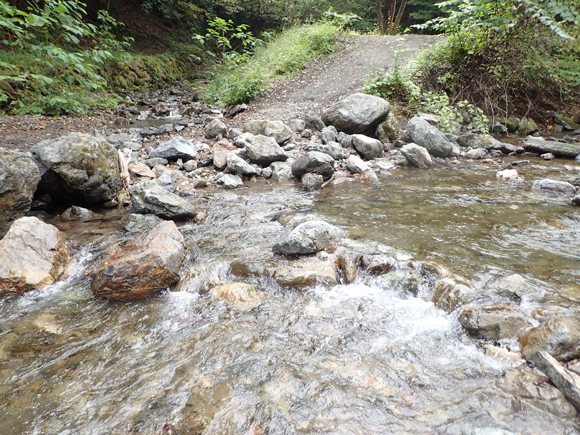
124,171
567,382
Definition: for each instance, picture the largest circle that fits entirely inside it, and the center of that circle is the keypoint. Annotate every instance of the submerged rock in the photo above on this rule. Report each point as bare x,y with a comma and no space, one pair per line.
495,321
238,295
559,336
347,265
357,113
513,287
75,213
34,254
78,168
307,272
19,177
400,281
148,197
429,137
143,267
308,238
554,185
450,294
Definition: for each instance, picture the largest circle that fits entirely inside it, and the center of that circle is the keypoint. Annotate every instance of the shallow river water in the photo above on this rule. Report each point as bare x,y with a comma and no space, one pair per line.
365,358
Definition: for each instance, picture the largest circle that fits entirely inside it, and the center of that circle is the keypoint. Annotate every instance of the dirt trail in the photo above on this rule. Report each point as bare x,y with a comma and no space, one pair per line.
330,78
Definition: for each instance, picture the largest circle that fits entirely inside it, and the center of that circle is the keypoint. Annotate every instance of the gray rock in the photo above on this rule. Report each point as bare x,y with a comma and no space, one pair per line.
239,108
166,182
424,134
19,177
566,381
559,336
345,140
75,213
190,165
328,134
264,150
417,155
554,185
357,113
400,281
495,321
347,266
547,156
215,128
308,238
156,161
296,125
566,123
254,127
576,200
237,165
277,130
141,223
314,162
281,171
333,149
313,122
307,273
78,168
242,140
513,287
527,126
175,148
389,129
476,154
431,119
367,147
558,149
485,141
231,181
356,165
34,254
369,177
267,172
488,431
499,128
312,181
148,197
451,293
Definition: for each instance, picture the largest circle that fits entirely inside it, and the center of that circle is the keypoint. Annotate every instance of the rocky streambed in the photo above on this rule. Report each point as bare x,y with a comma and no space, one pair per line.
321,275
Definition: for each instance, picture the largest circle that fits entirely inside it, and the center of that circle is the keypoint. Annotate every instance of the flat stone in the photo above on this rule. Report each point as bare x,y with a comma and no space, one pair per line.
148,197
495,321
558,149
175,148
307,273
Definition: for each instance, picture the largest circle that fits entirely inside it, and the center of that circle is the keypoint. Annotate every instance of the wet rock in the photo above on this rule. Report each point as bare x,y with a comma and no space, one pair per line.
476,154
308,238
488,431
367,147
507,174
450,294
141,170
495,321
356,165
369,177
417,155
527,126
238,295
376,264
554,185
357,113
281,171
146,265
513,287
312,181
566,381
314,162
296,125
237,165
294,221
400,281
389,129
313,122
34,254
231,181
264,150
175,148
566,123
148,197
19,177
576,200
78,168
558,149
548,156
485,141
75,213
347,266
425,135
215,128
139,223
559,336
277,130
244,269
306,273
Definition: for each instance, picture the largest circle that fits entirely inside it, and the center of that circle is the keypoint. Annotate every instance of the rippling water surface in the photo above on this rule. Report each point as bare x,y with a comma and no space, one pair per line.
366,358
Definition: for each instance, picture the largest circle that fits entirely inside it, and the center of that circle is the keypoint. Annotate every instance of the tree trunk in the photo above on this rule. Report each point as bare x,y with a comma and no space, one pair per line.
395,16
381,17
399,16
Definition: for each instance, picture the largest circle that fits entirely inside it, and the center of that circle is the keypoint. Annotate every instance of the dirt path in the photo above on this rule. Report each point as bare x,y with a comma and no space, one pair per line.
328,79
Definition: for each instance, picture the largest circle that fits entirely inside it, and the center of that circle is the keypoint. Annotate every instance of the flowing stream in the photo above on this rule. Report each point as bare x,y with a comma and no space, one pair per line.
365,358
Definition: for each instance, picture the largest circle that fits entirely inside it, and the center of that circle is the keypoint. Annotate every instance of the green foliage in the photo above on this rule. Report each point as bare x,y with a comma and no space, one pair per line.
397,85
342,21
285,54
438,103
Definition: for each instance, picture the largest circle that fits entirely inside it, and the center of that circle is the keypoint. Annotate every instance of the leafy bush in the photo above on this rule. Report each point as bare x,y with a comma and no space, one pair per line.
398,86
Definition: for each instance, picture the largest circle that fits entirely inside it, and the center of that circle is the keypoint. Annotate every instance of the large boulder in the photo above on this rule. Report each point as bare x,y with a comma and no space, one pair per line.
496,321
148,197
389,129
34,254
367,147
559,149
307,272
308,238
264,150
417,155
19,177
175,148
313,162
357,113
420,132
559,336
78,168
238,295
143,267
